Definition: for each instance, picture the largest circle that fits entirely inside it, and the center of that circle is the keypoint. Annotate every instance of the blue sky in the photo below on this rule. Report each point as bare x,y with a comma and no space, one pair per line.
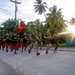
26,9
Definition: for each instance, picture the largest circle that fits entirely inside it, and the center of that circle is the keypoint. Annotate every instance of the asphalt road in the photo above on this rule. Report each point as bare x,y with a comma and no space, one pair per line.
60,63
6,69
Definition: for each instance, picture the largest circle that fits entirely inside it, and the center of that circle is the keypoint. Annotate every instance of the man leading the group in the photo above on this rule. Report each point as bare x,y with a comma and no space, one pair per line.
34,41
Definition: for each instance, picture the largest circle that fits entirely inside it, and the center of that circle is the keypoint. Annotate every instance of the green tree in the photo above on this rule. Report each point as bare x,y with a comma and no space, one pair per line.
9,25
38,24
55,19
40,7
72,21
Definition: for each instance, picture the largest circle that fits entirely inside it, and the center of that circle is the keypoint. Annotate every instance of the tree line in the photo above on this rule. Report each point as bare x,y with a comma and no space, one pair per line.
53,20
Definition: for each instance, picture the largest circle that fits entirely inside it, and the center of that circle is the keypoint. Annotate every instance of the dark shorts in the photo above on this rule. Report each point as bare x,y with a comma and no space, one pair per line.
47,41
29,41
33,40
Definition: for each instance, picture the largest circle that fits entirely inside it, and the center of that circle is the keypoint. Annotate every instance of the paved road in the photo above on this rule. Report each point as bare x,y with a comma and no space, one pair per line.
60,63
6,69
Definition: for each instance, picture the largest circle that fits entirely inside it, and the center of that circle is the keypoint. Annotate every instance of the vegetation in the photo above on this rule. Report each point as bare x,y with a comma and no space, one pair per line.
40,7
54,20
8,26
72,21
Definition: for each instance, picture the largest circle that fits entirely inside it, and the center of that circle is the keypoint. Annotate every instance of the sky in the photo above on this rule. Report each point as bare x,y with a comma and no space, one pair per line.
26,9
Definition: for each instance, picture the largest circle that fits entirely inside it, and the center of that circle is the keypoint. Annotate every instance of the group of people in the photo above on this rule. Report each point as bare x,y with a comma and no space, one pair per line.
33,39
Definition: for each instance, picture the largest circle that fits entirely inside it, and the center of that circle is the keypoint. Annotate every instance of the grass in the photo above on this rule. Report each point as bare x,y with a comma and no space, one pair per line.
60,44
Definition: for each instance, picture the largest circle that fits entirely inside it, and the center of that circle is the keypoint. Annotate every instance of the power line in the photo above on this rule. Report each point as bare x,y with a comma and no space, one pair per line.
7,11
16,8
26,17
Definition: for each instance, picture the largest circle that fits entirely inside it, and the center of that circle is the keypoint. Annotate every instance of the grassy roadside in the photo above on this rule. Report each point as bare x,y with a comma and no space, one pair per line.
60,45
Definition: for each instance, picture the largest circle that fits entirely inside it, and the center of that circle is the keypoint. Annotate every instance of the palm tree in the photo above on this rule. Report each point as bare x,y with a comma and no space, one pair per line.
72,21
40,7
55,19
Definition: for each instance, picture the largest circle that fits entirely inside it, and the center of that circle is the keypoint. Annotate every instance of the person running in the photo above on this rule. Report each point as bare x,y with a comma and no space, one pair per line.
40,37
34,41
56,40
24,42
18,42
11,43
14,42
29,39
47,38
7,41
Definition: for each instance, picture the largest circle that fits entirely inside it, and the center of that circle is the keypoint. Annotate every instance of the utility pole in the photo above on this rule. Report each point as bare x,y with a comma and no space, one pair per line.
16,8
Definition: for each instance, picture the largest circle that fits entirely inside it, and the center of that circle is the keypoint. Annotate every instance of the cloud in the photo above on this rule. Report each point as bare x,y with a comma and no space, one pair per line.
26,9
4,17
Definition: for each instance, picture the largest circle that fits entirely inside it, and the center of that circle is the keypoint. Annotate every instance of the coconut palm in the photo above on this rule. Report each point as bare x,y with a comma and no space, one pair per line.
40,7
55,18
72,21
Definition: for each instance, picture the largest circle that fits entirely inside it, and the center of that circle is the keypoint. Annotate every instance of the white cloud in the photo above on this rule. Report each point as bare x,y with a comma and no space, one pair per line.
26,9
4,17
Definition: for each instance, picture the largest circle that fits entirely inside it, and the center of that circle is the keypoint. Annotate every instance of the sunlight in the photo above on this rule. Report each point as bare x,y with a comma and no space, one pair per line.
71,29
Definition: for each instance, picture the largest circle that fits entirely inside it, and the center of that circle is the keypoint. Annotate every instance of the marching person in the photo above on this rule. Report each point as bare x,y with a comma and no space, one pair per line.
7,41
14,42
47,38
40,37
34,42
24,42
29,39
18,42
11,43
56,40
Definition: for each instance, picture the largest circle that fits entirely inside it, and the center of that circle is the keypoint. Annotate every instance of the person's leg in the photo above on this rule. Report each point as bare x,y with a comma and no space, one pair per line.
17,46
30,48
56,46
41,47
23,45
11,47
15,49
25,48
7,47
22,48
26,45
37,48
47,47
3,47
